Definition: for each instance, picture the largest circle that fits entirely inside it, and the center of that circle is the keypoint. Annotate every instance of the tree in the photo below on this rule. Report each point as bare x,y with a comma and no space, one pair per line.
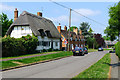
110,33
106,38
5,22
90,30
71,28
114,22
84,26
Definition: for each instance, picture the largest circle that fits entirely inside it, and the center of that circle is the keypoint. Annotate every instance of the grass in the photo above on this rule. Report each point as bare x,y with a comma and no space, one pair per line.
7,64
60,54
107,49
28,55
98,70
44,57
92,50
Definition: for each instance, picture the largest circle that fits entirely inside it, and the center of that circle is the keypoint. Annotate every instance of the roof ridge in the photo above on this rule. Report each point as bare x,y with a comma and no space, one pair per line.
28,13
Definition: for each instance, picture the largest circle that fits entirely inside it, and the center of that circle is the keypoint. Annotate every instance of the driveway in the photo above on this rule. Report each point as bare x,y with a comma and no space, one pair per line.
62,68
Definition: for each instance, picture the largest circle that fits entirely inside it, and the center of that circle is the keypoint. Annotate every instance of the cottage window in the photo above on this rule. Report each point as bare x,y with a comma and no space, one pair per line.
46,43
56,43
40,43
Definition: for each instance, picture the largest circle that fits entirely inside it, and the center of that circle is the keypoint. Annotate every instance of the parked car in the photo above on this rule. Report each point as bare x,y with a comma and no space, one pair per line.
78,51
85,50
100,49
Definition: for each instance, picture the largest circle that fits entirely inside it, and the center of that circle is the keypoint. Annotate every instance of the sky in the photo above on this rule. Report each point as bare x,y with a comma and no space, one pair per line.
98,11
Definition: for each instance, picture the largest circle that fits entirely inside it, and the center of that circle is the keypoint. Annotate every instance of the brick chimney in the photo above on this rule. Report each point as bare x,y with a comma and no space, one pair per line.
59,28
80,32
75,30
15,14
39,14
65,28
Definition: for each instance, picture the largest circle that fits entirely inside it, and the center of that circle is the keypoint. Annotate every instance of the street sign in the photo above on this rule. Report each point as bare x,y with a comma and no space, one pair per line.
65,41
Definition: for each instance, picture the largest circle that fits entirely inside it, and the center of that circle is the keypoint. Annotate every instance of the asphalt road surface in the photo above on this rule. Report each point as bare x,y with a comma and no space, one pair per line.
62,68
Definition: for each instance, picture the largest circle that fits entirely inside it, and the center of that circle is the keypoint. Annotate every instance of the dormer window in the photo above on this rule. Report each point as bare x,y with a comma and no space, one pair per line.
48,33
41,32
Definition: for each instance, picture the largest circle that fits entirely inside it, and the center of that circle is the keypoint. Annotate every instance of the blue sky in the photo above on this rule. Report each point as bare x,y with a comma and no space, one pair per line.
94,10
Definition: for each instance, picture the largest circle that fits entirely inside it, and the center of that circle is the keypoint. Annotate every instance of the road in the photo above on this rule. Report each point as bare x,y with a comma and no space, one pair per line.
62,68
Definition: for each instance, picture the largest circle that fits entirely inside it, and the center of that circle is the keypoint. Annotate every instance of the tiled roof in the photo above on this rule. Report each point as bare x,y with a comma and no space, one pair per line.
72,34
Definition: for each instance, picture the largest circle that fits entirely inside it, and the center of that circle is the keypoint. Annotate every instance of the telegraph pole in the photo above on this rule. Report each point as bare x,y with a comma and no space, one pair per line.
69,31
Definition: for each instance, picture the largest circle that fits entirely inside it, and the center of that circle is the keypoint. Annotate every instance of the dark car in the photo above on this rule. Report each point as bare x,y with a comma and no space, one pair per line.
100,49
78,51
85,50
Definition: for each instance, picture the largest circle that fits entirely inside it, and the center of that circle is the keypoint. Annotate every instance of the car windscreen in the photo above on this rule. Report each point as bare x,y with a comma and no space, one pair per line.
76,48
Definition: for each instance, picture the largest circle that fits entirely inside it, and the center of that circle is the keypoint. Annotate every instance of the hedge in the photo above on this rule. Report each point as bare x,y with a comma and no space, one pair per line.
18,46
117,49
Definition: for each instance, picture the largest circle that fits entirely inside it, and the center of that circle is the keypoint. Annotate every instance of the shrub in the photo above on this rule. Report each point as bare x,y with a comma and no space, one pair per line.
117,49
18,46
49,50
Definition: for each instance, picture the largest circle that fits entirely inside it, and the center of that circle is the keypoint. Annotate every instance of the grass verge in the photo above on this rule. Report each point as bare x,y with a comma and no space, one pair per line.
34,59
107,49
29,55
60,54
92,50
99,70
7,64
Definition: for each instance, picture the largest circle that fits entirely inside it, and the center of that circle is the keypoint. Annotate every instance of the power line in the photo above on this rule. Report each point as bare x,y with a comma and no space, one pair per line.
77,12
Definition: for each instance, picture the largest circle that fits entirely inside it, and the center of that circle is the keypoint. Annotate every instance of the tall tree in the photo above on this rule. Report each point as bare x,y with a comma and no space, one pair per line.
114,22
84,26
111,33
5,22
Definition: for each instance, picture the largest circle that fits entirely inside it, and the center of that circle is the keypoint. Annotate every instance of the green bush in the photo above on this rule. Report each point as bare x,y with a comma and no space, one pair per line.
18,46
117,49
49,50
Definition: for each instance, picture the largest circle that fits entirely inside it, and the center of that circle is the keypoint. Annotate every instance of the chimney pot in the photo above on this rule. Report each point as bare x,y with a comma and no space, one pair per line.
65,28
59,28
39,14
15,14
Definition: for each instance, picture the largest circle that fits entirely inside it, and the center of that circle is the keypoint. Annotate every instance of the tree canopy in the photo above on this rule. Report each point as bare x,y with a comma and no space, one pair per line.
113,29
84,26
5,22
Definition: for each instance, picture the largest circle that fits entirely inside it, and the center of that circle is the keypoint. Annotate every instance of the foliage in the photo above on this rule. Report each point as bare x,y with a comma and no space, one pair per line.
71,28
90,30
117,49
114,22
84,26
5,22
91,42
18,46
106,38
96,71
111,33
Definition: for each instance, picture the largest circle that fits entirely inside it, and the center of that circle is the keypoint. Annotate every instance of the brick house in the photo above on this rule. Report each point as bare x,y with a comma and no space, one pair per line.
76,38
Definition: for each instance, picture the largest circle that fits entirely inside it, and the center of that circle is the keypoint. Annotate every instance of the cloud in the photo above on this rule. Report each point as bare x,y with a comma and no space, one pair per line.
76,18
4,7
88,12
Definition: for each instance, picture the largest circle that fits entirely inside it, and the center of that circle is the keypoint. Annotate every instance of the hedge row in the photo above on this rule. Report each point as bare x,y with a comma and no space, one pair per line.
18,46
117,49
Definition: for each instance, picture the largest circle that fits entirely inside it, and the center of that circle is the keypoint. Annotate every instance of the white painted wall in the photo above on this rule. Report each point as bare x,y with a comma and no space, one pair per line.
46,39
20,31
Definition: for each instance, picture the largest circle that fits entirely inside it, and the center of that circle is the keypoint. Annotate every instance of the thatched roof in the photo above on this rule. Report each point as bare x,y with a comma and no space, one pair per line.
36,23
